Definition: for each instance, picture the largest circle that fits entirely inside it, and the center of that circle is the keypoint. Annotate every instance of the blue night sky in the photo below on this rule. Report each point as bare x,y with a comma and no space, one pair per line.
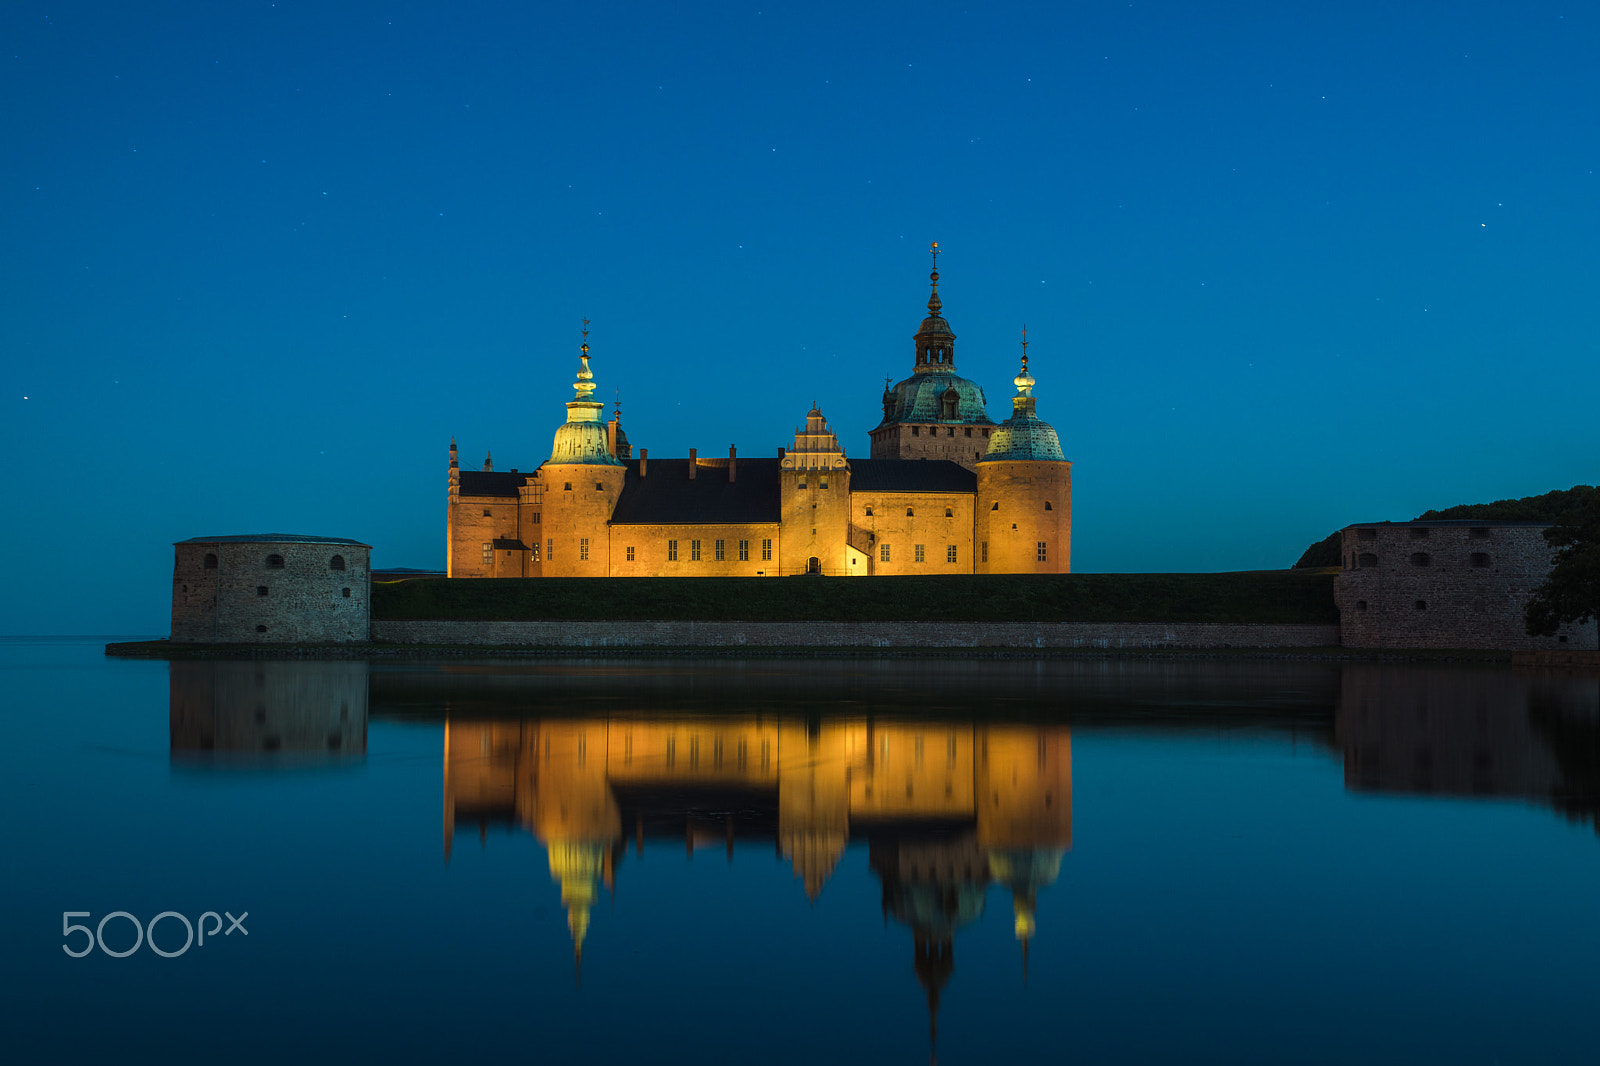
1283,266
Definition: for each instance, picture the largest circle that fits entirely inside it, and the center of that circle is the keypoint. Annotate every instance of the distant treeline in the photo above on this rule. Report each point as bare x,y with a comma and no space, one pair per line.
1549,507
1262,596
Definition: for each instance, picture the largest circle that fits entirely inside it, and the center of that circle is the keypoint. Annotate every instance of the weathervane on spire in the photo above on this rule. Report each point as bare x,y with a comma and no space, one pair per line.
934,303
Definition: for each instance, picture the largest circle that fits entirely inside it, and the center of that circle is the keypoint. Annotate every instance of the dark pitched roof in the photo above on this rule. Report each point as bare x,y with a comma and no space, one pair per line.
667,495
272,538
910,475
491,482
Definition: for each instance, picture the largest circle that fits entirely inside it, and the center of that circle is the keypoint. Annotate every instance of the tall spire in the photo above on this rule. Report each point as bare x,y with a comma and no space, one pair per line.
936,350
584,387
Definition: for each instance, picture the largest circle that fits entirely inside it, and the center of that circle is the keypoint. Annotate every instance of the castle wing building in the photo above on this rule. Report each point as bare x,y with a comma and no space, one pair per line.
946,490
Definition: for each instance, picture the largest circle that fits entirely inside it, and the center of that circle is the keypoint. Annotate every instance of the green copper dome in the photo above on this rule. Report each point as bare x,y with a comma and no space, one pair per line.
582,438
936,397
1024,435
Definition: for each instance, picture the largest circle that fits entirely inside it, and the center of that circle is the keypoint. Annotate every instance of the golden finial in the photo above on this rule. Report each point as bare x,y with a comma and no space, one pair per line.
585,347
934,303
1024,346
617,405
584,386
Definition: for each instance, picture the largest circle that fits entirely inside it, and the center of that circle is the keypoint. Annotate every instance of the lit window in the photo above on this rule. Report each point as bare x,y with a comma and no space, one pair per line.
488,552
1044,552
583,549
950,554
672,551
919,553
630,553
744,551
694,551
766,550
717,549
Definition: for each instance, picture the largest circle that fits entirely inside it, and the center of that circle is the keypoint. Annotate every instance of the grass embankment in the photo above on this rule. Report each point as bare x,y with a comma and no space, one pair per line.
1261,596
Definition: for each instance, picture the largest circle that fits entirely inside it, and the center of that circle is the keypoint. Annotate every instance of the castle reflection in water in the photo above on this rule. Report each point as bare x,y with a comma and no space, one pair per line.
950,802
947,809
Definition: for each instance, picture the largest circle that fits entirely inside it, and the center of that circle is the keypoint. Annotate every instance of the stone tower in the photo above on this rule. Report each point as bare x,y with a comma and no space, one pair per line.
815,493
935,413
580,483
1024,520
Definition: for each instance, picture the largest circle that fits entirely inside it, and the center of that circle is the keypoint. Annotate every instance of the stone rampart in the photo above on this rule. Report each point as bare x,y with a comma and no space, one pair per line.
683,634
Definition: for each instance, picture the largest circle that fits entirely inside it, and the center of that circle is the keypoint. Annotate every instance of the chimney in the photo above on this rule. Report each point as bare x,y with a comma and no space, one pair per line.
733,463
780,455
611,437
691,464
644,458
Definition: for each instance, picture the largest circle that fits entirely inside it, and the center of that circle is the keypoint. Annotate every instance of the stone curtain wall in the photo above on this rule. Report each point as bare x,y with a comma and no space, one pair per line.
1444,585
305,600
859,634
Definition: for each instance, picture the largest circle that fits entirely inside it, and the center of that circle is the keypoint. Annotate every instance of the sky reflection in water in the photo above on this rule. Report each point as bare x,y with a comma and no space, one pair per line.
802,861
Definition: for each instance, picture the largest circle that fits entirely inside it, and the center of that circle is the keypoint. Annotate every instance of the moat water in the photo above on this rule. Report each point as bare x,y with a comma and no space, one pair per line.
797,862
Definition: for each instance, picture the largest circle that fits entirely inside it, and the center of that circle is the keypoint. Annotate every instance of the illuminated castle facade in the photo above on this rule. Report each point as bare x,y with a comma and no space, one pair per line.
946,491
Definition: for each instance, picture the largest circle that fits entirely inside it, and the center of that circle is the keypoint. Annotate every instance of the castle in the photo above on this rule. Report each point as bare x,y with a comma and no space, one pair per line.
946,491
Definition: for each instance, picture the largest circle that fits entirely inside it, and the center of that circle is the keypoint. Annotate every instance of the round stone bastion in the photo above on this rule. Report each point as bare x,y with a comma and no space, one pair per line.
270,588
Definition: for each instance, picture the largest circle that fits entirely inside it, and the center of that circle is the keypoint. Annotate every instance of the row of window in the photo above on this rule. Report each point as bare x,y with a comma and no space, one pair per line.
273,562
1363,560
919,552
719,551
262,590
933,431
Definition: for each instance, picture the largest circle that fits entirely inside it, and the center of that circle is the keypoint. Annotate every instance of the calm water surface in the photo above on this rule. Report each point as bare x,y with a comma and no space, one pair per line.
798,862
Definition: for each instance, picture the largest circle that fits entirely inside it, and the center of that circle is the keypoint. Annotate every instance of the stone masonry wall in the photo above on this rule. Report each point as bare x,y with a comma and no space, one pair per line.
1444,585
305,600
858,634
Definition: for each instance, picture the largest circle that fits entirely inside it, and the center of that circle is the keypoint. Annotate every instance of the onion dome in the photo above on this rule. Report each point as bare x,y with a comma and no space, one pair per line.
1024,435
583,437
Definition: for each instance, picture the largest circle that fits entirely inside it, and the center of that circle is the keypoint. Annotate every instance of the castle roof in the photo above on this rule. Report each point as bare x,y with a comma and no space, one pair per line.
668,495
273,538
910,475
491,482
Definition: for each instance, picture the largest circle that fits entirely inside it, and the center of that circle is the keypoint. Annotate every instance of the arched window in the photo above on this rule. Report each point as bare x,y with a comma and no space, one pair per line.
996,506
336,563
1367,559
274,562
1421,559
947,405
909,513
1047,506
869,512
211,560
948,513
